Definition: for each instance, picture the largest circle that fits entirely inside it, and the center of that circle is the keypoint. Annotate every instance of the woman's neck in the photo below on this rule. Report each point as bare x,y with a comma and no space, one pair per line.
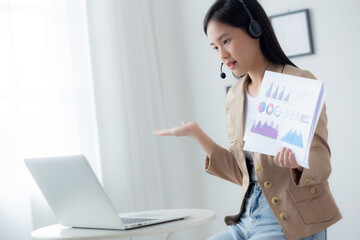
256,75
257,72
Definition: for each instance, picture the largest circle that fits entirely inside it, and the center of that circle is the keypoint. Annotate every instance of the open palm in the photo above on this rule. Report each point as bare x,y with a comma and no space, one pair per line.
186,129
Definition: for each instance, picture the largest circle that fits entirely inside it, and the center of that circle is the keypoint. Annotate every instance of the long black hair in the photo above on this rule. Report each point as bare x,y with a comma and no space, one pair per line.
232,12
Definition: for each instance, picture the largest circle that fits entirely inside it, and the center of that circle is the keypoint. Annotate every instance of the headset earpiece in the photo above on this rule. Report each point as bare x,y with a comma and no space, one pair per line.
254,28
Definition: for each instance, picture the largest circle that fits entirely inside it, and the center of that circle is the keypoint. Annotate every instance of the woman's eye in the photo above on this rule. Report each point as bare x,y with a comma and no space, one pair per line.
215,48
225,41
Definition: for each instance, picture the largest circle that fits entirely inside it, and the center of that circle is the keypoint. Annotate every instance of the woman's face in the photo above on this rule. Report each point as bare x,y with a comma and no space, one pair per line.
234,46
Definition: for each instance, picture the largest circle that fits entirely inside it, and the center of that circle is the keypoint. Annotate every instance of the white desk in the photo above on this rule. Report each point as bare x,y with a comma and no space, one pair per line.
57,231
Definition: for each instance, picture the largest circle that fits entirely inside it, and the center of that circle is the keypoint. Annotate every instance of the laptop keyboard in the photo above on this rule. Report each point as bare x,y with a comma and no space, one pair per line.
136,220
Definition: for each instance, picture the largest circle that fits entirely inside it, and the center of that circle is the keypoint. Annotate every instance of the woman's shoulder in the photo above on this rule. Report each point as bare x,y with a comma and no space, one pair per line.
236,91
291,70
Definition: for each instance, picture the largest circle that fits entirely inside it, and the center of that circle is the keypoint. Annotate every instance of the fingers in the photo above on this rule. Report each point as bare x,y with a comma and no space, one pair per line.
285,158
174,131
281,157
291,159
185,129
163,132
276,159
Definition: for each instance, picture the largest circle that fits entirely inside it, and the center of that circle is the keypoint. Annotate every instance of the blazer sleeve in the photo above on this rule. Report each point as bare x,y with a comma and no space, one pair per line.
223,164
319,157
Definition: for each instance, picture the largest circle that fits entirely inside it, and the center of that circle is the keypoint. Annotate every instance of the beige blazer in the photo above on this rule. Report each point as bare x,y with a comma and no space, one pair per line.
302,203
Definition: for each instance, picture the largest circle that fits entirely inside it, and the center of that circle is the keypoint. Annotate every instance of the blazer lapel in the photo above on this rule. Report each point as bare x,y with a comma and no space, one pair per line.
240,107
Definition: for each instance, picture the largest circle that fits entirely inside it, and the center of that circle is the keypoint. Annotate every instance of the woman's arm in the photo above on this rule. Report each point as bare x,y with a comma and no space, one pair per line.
219,161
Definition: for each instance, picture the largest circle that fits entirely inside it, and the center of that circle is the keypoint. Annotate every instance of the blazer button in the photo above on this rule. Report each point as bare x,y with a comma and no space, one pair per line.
267,184
313,190
275,200
259,169
283,216
308,181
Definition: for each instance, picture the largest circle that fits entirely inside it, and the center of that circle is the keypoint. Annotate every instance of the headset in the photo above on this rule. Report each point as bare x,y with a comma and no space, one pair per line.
254,30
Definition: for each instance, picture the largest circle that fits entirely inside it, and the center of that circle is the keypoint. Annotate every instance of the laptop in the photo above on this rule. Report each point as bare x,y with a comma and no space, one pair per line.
77,198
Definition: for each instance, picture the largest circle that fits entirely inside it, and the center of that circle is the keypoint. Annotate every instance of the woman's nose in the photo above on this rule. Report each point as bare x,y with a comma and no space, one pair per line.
223,54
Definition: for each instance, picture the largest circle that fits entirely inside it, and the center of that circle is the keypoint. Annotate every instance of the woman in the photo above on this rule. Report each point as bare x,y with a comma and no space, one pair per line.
281,200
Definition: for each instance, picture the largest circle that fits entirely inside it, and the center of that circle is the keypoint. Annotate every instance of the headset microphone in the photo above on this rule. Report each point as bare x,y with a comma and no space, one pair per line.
222,74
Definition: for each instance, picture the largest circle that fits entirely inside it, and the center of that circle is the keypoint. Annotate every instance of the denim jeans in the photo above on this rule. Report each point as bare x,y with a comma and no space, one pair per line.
257,221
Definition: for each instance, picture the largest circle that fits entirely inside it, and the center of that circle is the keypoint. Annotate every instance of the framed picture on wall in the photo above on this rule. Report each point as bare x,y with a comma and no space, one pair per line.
293,32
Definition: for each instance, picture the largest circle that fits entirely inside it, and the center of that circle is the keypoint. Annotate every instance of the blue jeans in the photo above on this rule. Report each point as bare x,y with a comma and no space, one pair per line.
257,221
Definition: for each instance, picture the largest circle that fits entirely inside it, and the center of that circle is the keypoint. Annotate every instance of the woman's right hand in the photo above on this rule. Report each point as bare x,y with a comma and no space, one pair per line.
190,129
186,129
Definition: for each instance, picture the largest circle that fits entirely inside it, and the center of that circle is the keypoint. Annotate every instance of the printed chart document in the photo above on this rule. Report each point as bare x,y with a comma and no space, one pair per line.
287,113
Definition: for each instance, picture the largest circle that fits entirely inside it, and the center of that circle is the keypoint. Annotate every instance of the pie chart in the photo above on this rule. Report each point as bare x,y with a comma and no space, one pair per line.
261,107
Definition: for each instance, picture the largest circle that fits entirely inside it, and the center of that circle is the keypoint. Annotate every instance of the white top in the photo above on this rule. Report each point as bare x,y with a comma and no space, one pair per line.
250,111
57,231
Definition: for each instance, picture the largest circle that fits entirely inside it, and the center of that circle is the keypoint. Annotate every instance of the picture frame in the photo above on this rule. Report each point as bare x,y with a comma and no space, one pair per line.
293,32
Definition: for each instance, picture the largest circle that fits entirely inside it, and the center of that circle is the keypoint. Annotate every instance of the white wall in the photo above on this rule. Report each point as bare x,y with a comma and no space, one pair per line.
46,103
336,36
193,91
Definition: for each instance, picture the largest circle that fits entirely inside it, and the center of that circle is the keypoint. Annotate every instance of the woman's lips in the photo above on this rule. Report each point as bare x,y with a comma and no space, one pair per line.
231,64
